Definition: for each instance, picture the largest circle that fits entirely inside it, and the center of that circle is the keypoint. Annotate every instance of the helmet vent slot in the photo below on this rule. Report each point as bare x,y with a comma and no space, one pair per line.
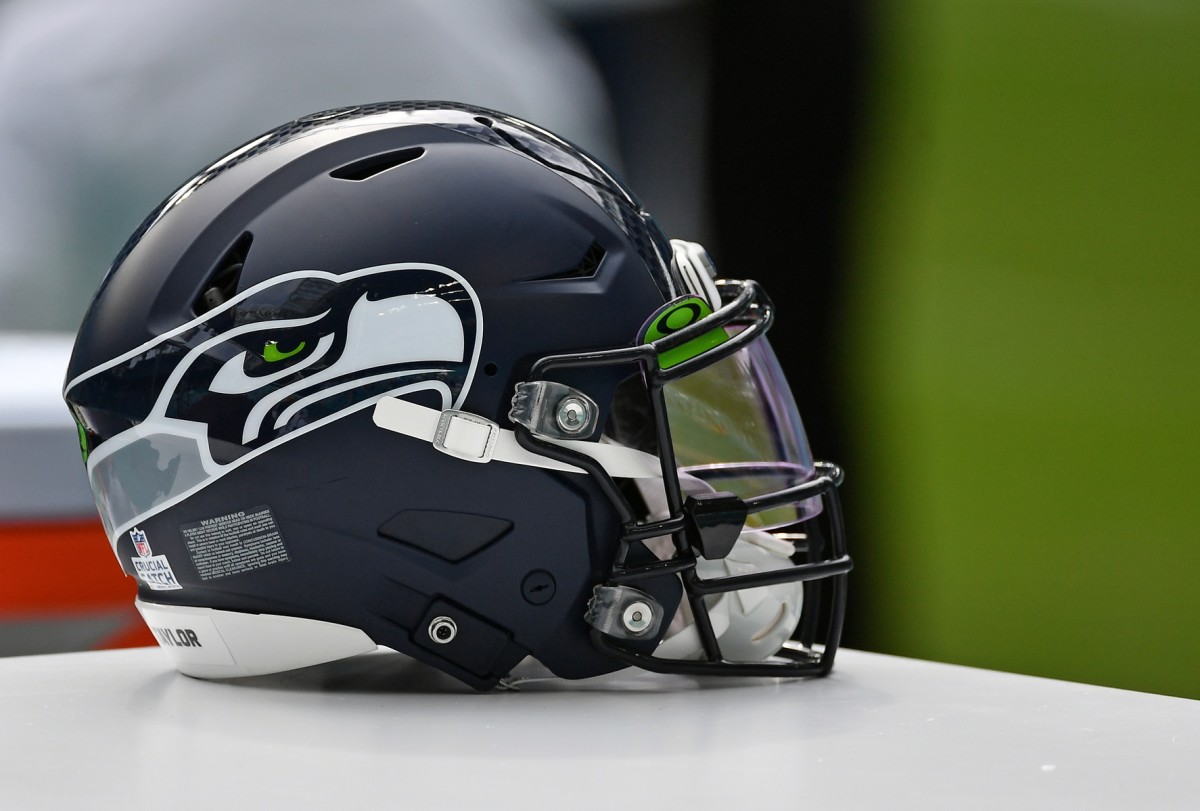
223,283
369,167
586,269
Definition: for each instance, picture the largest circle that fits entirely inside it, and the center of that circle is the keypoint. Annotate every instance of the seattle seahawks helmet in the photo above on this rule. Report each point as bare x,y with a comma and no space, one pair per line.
425,376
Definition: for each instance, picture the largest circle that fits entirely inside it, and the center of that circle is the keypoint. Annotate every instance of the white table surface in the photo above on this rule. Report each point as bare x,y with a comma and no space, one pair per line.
121,729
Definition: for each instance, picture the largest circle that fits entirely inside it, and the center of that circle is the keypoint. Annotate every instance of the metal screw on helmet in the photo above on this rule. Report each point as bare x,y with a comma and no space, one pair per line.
573,415
443,630
553,410
637,617
624,612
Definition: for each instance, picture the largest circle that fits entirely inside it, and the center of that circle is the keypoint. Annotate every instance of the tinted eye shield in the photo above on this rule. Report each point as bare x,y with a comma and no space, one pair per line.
746,313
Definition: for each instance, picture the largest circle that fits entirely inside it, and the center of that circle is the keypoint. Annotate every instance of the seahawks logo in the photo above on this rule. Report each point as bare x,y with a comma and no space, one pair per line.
283,357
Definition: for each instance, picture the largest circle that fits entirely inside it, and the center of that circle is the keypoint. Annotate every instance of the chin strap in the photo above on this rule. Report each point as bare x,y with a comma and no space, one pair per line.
477,439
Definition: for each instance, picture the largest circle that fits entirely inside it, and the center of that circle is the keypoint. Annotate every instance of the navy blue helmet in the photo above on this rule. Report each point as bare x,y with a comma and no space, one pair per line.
425,376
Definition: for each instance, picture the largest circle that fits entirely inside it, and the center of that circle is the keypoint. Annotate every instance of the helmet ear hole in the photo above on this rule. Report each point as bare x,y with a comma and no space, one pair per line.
222,284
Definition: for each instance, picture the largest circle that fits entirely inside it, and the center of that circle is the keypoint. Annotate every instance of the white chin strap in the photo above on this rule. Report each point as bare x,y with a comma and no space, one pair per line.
477,439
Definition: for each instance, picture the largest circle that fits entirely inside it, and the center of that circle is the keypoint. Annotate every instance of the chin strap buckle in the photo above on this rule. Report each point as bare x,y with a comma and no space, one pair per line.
466,436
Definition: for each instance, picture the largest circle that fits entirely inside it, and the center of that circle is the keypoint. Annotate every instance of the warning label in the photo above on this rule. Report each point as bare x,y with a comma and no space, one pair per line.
234,543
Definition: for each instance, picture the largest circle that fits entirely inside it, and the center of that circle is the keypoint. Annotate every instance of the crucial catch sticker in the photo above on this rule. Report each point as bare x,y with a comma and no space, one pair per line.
153,570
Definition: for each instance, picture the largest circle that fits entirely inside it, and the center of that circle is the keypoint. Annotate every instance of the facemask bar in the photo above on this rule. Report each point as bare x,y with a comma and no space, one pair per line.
745,306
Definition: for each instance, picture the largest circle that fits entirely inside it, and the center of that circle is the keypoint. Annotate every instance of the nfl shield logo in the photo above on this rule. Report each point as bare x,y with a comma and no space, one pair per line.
140,542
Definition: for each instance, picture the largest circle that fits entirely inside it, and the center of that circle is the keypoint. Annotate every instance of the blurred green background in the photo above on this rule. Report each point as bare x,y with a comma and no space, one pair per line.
1022,339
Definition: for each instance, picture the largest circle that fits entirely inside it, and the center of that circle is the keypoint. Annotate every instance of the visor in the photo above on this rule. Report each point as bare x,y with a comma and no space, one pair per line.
735,426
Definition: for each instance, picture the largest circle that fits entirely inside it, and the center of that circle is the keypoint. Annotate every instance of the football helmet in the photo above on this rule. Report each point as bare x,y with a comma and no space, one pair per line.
425,376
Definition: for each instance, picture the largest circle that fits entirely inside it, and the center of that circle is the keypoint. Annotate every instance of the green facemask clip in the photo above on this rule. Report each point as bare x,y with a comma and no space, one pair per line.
674,316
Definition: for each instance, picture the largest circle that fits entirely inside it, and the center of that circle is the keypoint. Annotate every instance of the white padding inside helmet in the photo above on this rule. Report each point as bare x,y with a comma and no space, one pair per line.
750,624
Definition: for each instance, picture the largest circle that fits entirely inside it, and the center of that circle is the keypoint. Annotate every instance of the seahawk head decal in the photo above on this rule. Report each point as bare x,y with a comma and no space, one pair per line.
279,359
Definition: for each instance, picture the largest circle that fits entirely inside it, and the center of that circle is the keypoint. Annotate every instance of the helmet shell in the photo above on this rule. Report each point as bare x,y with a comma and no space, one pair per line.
551,254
